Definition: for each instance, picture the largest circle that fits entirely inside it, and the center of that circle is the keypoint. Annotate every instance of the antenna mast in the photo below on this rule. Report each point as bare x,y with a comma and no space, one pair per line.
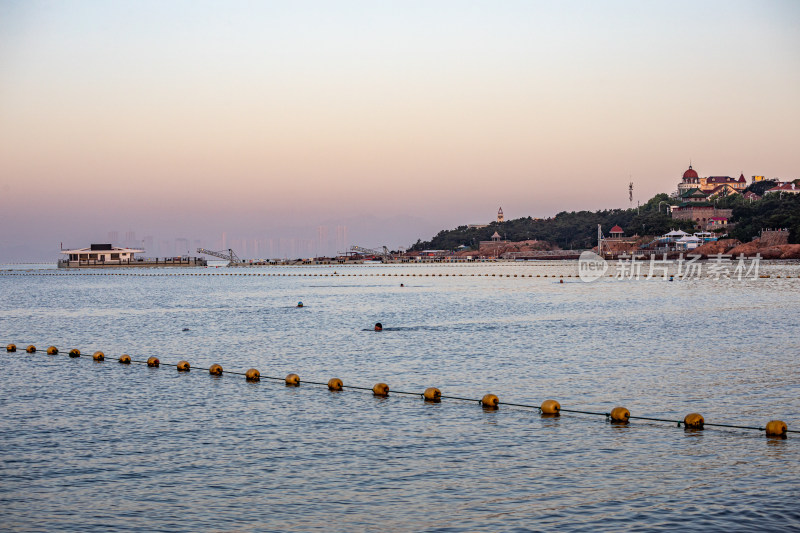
599,240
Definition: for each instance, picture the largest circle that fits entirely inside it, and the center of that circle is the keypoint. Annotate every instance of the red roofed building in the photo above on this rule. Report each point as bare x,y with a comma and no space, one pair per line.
701,215
785,188
726,189
717,222
616,232
691,180
750,195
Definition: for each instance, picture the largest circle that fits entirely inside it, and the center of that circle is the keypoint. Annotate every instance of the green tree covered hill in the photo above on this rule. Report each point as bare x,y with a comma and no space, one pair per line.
578,229
771,212
574,229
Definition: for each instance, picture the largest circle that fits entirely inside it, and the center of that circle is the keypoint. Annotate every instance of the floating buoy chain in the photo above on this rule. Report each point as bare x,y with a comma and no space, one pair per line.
775,428
336,274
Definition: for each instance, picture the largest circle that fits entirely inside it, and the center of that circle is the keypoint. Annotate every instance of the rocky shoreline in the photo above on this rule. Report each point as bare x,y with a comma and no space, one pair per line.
736,248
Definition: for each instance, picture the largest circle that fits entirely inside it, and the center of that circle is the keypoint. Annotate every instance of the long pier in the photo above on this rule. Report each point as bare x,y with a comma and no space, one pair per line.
128,263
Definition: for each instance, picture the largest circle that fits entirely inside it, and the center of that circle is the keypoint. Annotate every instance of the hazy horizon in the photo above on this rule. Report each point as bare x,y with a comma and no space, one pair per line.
266,121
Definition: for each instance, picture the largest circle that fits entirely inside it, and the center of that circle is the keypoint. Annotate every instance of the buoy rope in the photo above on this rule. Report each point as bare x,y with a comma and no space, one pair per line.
471,400
325,275
745,427
584,412
448,397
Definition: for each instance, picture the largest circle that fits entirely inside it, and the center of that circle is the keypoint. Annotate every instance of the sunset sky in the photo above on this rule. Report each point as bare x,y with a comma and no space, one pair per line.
268,119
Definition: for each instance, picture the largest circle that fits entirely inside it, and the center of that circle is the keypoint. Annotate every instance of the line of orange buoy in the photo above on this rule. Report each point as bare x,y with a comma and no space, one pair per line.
548,408
315,275
269,274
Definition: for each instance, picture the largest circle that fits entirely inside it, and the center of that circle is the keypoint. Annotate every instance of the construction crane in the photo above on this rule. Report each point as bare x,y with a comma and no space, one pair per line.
360,250
230,256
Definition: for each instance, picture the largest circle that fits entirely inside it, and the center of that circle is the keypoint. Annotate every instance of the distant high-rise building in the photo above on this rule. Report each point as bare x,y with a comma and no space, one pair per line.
265,248
130,239
147,244
287,248
224,240
341,239
182,246
322,240
306,248
113,237
165,249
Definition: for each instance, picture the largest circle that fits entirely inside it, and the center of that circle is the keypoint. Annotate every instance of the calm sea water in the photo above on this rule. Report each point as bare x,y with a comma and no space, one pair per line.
103,446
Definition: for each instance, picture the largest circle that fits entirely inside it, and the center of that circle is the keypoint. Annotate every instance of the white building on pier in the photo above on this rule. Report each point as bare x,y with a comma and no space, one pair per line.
102,253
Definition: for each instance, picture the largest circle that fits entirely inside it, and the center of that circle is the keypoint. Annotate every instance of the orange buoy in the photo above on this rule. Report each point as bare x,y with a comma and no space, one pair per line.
620,414
125,359
776,428
52,350
432,394
215,370
74,352
11,348
490,401
252,375
335,384
153,361
293,380
380,389
183,366
693,421
31,349
550,408
98,356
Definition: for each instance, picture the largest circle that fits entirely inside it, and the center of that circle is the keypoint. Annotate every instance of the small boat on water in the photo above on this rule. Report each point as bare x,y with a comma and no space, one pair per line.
108,256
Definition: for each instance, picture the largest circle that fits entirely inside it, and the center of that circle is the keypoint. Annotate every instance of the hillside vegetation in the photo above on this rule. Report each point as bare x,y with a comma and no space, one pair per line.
574,229
771,212
578,229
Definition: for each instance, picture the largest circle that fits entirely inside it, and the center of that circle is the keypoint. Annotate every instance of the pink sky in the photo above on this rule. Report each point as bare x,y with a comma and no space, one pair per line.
185,120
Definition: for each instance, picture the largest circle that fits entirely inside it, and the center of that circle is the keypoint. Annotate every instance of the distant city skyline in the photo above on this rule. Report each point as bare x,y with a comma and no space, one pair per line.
299,241
269,120
329,242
